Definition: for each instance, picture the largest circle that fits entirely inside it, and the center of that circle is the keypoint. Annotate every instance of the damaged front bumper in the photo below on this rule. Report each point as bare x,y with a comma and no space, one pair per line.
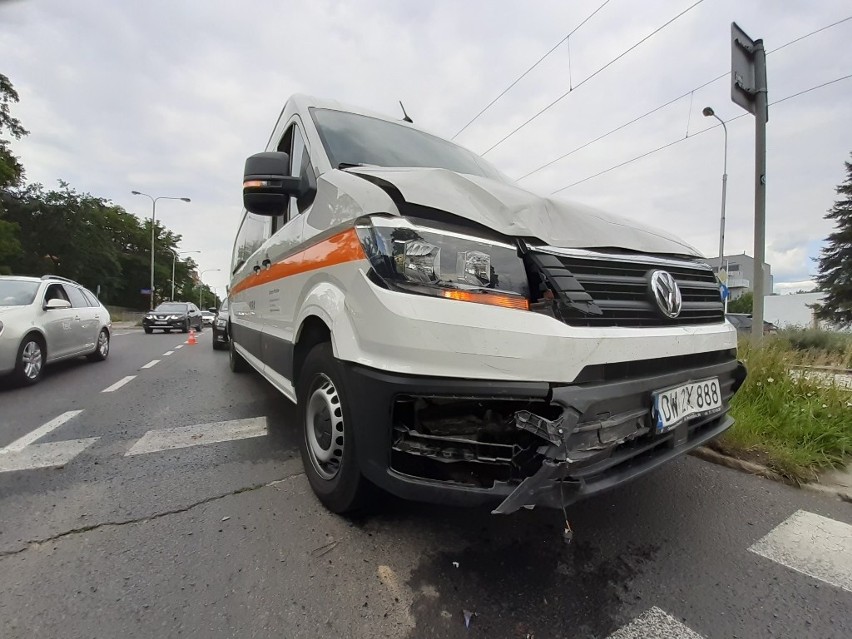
517,444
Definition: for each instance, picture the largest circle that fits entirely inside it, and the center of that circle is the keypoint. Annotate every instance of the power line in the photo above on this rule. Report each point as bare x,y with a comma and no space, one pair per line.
607,65
710,128
537,62
672,101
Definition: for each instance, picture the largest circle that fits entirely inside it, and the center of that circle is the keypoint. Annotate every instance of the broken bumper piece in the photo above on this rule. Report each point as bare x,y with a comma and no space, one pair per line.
523,444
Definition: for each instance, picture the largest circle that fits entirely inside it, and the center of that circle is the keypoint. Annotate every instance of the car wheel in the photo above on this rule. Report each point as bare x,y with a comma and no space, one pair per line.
328,437
185,328
148,331
236,361
168,330
30,363
200,326
101,348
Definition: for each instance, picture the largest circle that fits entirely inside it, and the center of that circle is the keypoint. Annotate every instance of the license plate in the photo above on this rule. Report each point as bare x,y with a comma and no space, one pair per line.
674,405
160,323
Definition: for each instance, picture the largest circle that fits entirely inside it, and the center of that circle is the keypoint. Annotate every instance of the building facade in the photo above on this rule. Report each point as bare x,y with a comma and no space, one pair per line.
741,274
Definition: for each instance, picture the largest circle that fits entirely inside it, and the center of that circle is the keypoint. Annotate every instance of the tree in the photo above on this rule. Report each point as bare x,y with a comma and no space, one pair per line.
11,170
835,261
743,304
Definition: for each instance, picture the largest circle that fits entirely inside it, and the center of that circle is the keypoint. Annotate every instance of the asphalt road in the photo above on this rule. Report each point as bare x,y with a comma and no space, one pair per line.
212,531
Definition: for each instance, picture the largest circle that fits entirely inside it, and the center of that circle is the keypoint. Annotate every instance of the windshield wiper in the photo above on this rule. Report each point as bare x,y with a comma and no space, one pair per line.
237,267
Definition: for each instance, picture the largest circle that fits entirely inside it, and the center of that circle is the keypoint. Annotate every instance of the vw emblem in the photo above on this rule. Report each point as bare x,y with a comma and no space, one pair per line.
666,293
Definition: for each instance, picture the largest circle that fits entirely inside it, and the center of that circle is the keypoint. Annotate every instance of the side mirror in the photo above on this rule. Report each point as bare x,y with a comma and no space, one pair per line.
267,184
56,303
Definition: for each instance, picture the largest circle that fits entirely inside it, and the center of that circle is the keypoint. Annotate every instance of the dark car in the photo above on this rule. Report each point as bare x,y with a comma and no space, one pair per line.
742,322
220,328
178,316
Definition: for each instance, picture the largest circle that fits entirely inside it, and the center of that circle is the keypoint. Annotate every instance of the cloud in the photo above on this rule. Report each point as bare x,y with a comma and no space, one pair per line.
169,98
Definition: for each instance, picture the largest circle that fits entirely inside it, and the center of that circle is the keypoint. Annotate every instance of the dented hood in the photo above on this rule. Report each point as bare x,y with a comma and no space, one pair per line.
515,212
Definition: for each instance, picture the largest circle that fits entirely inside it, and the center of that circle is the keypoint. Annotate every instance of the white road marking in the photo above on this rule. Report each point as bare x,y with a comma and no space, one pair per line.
655,624
118,384
44,455
167,353
152,363
813,545
38,433
178,346
198,434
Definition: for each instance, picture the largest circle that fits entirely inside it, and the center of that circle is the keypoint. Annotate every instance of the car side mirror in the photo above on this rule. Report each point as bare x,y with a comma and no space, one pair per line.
267,183
55,303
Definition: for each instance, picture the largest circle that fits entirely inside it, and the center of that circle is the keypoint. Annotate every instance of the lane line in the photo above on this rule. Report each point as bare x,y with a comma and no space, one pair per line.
44,455
178,346
118,384
152,363
167,353
198,434
656,624
812,545
41,431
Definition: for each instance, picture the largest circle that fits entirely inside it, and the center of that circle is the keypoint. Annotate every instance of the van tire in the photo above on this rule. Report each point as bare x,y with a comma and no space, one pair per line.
236,361
320,389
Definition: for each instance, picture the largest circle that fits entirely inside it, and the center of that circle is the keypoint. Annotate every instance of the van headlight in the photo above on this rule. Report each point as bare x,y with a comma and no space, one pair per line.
444,262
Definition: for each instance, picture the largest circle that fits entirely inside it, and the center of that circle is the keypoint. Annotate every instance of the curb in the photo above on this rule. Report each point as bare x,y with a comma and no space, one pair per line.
709,455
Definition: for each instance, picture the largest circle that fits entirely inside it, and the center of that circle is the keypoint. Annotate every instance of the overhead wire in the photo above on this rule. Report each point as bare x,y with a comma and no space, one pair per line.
672,101
586,79
709,128
537,62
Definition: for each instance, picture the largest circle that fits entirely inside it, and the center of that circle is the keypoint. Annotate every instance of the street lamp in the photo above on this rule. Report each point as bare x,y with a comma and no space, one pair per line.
709,113
174,259
153,226
201,283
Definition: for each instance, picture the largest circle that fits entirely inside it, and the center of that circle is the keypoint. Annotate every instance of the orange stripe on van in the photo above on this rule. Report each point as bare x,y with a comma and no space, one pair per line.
338,249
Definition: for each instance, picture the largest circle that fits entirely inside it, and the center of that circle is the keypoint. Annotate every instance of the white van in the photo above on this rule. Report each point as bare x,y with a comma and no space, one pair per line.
450,337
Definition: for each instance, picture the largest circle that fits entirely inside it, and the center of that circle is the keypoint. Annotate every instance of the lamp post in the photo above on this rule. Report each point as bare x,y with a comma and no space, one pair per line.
153,227
201,283
709,113
174,259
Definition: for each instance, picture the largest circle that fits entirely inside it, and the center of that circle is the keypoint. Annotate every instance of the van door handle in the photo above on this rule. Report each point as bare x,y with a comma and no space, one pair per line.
266,263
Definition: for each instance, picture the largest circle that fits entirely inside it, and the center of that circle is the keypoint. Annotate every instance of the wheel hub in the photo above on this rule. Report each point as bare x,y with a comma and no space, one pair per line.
324,428
32,360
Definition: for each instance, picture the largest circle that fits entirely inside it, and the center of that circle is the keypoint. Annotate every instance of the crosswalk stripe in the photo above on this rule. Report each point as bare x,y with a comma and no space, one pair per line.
43,455
813,545
38,433
118,384
655,624
198,434
152,363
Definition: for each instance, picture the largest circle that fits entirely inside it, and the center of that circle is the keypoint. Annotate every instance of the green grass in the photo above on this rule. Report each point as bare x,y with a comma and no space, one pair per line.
796,427
822,347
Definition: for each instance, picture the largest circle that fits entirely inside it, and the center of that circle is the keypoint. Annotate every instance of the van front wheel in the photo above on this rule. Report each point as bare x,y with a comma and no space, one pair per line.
328,442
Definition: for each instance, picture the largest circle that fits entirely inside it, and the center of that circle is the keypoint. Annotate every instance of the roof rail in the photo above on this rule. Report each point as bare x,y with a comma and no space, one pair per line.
61,279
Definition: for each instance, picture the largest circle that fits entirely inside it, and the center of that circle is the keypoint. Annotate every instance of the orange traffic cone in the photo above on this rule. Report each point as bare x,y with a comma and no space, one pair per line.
192,341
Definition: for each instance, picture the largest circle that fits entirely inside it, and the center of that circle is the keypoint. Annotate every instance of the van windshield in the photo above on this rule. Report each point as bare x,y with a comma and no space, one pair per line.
17,292
171,308
355,139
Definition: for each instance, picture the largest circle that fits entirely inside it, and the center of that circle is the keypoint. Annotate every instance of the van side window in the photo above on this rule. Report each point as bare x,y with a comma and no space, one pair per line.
55,292
76,297
254,231
300,164
293,142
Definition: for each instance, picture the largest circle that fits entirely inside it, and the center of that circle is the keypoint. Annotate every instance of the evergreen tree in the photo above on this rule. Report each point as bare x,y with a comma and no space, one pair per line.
835,262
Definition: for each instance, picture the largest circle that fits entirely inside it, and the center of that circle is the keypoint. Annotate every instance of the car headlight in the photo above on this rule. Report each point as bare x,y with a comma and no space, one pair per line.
221,322
442,262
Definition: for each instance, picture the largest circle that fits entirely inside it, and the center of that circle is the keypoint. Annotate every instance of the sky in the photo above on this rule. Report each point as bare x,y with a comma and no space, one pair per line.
169,98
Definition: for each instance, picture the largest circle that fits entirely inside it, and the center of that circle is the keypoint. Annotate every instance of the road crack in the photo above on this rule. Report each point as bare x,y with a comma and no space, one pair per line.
35,543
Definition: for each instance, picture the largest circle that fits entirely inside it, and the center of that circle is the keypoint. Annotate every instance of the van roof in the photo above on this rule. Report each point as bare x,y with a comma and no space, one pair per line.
303,102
